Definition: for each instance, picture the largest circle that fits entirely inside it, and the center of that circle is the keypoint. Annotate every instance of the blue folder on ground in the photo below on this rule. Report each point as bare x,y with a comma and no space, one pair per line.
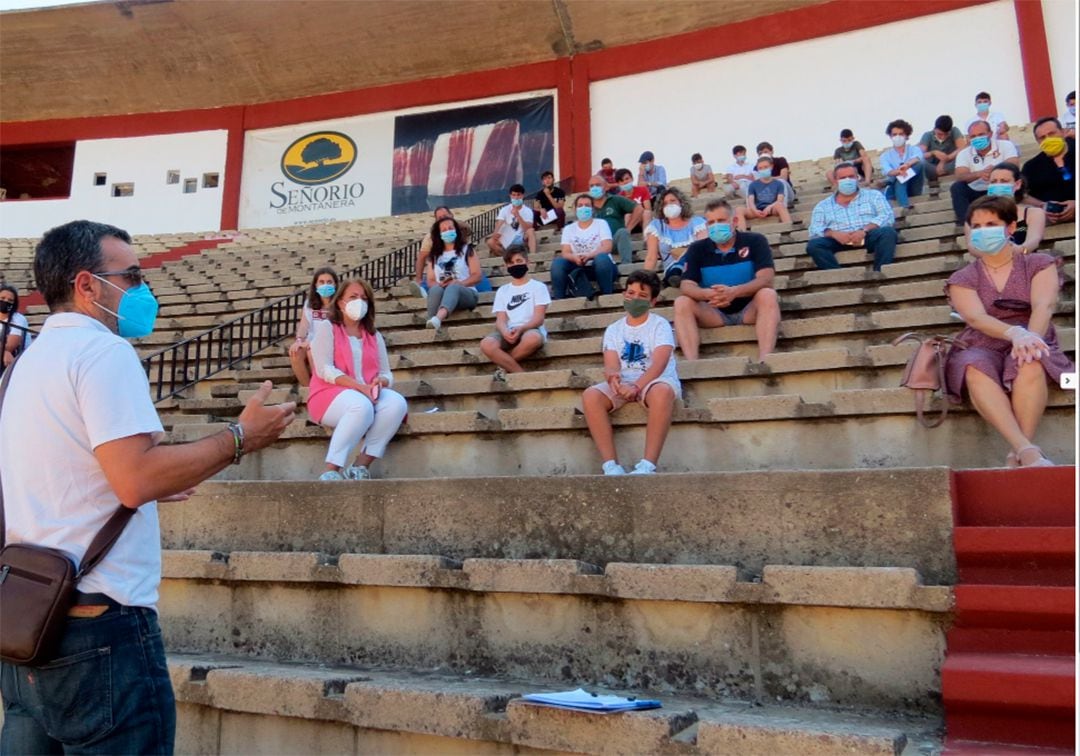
583,700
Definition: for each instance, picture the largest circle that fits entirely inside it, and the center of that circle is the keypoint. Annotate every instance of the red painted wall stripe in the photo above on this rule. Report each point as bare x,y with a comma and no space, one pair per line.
1035,54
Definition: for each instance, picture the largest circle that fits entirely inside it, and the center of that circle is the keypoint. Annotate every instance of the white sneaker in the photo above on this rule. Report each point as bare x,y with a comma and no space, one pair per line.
331,475
434,322
417,290
357,472
611,467
644,467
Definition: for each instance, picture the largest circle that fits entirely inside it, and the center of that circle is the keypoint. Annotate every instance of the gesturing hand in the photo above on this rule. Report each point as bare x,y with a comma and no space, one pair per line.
263,424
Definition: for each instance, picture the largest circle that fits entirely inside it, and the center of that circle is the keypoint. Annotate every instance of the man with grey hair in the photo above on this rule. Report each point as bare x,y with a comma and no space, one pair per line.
79,439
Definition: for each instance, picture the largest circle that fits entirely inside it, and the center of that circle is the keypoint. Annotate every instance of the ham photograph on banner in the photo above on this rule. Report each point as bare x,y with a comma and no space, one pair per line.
471,155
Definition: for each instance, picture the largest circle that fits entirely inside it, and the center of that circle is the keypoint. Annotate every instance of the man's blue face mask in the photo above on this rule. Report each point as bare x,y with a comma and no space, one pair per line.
136,312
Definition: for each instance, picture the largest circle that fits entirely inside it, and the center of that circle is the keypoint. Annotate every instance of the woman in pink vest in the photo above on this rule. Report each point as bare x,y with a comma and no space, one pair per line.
350,388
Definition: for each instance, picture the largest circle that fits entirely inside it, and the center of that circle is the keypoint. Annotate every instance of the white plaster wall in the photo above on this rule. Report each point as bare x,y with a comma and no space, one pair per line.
799,96
1059,16
155,208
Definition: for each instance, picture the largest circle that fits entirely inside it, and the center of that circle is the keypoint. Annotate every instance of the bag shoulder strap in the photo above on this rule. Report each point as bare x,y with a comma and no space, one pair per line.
105,537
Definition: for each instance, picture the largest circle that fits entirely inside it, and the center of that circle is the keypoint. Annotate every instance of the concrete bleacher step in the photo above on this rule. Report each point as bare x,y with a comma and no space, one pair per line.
232,704
834,518
750,641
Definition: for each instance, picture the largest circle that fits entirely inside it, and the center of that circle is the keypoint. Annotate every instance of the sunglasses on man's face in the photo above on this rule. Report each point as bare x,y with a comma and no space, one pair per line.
132,275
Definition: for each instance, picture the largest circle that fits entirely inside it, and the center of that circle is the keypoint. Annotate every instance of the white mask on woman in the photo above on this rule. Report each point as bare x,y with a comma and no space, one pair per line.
356,309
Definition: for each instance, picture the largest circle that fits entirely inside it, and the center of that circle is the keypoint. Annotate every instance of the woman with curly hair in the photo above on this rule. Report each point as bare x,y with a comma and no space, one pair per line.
669,234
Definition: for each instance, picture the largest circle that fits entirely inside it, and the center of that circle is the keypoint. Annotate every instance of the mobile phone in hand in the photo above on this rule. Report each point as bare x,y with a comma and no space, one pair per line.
1054,207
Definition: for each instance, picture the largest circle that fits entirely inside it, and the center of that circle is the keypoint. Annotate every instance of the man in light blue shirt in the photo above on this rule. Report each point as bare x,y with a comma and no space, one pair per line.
652,175
850,218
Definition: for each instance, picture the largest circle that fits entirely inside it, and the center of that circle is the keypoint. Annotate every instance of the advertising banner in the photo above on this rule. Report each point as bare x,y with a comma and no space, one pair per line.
378,165
317,173
471,155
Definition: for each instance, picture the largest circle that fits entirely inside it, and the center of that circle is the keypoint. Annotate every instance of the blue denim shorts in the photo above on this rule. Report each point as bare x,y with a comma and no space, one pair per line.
106,691
732,318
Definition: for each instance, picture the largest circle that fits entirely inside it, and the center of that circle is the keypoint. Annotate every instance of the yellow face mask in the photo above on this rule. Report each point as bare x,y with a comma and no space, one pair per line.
1053,145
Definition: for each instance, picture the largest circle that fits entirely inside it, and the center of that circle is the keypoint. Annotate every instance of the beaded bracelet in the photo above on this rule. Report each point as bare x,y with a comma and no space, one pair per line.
237,432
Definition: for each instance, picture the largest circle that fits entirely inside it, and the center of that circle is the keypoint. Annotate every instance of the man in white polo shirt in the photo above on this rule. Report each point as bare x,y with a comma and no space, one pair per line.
974,164
78,438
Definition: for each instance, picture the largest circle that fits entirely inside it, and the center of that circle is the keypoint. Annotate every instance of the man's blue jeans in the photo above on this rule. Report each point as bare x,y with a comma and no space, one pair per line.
106,692
603,271
911,188
880,242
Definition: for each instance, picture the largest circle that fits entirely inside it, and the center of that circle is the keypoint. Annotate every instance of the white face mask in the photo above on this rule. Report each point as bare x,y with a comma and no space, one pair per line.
673,210
698,166
356,309
899,140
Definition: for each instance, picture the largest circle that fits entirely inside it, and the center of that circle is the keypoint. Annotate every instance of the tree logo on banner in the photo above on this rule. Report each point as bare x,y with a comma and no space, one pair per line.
318,158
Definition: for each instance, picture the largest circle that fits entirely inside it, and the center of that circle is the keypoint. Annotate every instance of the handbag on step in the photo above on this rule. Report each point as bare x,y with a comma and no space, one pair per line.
925,372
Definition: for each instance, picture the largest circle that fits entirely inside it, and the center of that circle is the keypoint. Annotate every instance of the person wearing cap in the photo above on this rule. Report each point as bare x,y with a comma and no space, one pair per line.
652,175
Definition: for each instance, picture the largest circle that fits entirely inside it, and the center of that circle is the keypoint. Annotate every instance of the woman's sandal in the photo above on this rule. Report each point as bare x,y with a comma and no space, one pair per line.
1032,456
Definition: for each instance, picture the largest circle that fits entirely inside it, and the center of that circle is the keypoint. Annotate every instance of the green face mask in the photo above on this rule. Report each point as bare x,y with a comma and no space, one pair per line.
636,307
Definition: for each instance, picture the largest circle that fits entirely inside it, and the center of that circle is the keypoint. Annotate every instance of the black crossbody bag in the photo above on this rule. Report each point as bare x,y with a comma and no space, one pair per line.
37,584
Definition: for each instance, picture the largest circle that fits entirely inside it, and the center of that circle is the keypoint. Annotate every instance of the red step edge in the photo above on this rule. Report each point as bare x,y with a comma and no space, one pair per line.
1023,497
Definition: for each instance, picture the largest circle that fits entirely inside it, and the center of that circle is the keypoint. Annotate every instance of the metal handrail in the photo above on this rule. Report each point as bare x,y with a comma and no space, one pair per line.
185,363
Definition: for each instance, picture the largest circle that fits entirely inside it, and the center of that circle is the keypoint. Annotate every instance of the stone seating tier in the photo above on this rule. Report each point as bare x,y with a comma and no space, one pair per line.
818,630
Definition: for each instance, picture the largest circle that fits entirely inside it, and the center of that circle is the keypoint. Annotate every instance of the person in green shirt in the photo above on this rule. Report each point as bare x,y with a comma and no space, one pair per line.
614,209
851,151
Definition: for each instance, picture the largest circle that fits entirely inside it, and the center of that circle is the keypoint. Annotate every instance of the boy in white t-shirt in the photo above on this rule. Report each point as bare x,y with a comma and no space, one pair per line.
639,365
520,307
513,225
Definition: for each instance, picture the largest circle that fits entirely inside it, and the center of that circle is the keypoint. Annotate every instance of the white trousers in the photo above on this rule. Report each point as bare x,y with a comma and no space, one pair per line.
353,417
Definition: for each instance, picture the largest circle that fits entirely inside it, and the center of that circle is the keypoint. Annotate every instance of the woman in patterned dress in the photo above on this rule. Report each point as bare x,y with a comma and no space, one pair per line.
1010,347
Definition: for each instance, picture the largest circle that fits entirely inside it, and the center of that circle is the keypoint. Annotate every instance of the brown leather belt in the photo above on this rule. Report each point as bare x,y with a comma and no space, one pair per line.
90,605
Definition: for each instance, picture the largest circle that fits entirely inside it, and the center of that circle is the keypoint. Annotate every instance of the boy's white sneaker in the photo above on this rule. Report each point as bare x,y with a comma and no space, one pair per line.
611,467
434,322
644,467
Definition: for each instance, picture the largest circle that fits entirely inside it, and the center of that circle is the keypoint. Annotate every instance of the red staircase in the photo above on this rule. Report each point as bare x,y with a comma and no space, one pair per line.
1009,676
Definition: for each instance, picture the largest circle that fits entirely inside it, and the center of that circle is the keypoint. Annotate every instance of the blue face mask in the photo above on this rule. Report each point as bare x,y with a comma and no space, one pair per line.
764,173
1000,190
721,233
982,107
596,192
980,142
740,159
584,213
988,240
326,290
517,201
848,186
628,188
448,237
137,311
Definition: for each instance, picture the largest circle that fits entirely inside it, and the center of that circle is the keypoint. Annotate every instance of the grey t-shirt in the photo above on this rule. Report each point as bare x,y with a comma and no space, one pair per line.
929,142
